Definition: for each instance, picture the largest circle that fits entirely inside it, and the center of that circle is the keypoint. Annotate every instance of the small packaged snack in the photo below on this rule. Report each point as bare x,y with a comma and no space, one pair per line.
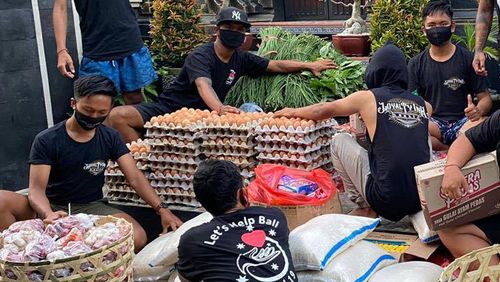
297,185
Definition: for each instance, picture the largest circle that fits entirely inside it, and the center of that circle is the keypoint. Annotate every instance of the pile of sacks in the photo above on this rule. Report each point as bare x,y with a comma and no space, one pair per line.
325,249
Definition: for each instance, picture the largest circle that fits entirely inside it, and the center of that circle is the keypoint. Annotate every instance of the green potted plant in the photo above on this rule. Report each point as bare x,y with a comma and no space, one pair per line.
355,39
399,21
175,31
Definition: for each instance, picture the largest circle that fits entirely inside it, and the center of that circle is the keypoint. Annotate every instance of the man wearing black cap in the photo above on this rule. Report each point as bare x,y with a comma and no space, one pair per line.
208,74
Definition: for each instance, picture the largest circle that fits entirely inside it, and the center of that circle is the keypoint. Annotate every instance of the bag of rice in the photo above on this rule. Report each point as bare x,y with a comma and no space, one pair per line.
356,264
142,270
413,271
425,234
166,254
314,244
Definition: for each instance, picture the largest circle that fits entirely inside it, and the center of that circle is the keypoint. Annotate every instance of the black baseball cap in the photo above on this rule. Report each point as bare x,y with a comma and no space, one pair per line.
232,14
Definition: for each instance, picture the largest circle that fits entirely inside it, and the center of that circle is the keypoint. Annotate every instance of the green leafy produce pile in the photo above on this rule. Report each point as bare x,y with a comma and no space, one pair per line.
274,92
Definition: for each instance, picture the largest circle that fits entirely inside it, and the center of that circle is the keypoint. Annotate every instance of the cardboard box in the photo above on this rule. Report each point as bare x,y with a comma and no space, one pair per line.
403,247
481,199
298,215
357,125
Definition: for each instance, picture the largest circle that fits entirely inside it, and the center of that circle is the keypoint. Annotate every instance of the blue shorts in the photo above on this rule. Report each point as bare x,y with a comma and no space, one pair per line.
449,130
129,74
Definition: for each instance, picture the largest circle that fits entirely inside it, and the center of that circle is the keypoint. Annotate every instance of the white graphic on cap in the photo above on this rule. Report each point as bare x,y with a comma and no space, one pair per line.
236,15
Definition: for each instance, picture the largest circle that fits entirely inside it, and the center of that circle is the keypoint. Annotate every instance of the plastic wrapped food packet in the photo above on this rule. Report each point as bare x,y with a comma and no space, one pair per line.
26,225
103,235
55,255
110,257
74,235
35,276
39,248
87,266
9,255
63,272
74,248
18,241
63,226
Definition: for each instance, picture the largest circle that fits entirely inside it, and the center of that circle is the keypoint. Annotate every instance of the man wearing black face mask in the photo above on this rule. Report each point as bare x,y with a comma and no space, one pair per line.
444,77
67,163
208,74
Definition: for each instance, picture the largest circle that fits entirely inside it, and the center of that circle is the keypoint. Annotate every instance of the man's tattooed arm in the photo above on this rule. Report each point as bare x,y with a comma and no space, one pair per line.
483,23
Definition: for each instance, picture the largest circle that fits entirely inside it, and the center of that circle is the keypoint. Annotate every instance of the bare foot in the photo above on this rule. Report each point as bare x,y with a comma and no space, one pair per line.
366,212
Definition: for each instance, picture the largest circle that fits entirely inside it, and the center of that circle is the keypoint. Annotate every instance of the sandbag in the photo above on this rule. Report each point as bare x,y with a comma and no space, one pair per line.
142,270
414,271
314,244
167,251
356,264
425,234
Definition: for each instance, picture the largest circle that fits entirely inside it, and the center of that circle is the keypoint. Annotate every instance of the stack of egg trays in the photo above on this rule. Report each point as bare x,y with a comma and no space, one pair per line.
307,148
174,157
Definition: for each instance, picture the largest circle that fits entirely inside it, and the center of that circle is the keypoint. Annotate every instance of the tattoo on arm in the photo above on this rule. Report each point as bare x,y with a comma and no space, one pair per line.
483,23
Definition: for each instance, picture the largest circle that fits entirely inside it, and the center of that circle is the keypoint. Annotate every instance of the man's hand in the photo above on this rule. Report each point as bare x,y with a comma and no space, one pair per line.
317,67
453,182
169,221
51,217
286,112
225,109
479,63
65,64
472,112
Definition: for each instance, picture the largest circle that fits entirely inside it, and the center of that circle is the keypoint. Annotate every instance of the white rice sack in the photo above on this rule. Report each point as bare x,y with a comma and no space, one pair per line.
425,234
142,270
167,253
414,271
314,244
356,264
174,277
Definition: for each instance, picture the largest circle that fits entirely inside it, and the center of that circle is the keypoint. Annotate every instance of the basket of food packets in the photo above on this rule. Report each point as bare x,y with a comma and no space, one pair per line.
458,270
78,247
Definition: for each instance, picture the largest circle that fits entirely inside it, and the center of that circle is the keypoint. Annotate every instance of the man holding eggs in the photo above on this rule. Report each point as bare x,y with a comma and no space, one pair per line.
208,74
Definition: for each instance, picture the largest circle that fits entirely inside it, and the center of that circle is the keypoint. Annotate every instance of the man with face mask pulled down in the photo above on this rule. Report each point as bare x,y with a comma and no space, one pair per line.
444,77
67,164
208,74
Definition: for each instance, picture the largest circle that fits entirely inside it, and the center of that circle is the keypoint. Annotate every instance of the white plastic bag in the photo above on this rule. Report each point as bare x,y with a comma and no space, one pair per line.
142,270
414,271
314,244
167,251
356,264
425,234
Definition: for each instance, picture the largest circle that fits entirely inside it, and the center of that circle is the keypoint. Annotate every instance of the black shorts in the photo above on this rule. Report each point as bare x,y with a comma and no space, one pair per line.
491,227
149,110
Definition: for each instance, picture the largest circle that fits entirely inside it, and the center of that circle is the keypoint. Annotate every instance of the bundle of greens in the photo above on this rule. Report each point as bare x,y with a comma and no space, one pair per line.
274,92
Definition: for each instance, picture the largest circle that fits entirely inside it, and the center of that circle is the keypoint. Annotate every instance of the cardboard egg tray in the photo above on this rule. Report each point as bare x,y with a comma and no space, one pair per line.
181,168
175,192
229,127
228,143
184,185
174,159
321,125
175,150
115,179
174,142
181,135
292,157
284,147
305,166
235,152
168,174
306,140
239,161
244,135
141,164
192,127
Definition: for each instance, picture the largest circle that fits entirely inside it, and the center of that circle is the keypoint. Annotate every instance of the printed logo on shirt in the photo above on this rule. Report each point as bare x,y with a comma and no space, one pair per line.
403,112
454,83
230,78
95,167
257,249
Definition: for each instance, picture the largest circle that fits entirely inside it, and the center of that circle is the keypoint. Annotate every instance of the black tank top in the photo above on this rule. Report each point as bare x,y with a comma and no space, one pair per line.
400,142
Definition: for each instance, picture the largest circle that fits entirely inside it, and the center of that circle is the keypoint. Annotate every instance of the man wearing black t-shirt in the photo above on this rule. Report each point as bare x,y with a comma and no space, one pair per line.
443,76
482,233
484,20
208,74
67,163
240,243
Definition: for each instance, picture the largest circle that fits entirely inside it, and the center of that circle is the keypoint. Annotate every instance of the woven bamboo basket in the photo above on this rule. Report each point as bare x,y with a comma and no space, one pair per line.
116,271
462,264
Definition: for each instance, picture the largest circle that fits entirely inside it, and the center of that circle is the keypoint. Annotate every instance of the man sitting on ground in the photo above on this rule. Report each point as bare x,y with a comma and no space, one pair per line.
67,163
482,233
381,178
241,243
443,75
208,74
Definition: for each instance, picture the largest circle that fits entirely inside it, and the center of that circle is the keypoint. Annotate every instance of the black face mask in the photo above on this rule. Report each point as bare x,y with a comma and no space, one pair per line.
232,39
438,36
86,122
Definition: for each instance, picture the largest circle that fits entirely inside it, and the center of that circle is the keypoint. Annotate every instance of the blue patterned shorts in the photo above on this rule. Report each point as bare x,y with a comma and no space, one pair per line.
129,74
449,130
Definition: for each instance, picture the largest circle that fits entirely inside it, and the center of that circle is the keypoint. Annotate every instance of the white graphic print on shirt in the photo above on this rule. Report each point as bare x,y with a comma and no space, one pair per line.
403,112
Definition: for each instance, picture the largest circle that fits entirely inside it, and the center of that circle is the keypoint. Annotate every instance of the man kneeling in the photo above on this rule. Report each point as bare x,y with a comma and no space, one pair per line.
67,163
241,243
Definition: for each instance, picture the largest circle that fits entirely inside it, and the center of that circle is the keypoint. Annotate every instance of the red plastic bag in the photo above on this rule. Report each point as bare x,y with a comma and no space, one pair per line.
264,189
